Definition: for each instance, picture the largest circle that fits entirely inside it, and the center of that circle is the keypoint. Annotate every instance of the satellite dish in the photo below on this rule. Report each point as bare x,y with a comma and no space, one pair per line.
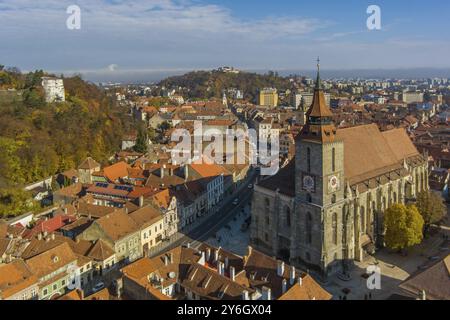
172,275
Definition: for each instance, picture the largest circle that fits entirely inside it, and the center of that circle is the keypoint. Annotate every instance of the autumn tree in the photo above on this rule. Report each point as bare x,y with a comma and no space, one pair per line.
431,206
404,226
141,142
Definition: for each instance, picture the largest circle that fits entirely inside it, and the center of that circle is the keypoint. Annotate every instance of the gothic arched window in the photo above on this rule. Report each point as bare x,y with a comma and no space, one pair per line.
309,228
267,203
309,198
334,226
288,216
308,159
333,159
333,198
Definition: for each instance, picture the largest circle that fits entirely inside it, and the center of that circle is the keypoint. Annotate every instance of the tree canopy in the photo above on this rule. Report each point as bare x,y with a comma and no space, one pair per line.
404,226
39,139
431,206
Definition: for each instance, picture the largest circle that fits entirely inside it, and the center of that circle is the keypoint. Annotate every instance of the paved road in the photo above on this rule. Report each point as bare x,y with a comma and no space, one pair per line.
216,221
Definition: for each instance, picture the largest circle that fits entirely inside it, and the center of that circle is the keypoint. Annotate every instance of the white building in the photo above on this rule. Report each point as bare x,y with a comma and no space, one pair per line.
54,89
412,97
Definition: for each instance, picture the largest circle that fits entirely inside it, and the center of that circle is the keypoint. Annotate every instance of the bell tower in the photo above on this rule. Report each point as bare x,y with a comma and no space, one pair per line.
319,187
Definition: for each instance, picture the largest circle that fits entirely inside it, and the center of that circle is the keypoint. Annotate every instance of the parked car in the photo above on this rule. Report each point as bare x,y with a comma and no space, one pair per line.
250,186
235,201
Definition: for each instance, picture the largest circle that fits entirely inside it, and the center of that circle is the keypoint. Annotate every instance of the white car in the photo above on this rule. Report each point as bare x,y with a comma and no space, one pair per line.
250,186
235,201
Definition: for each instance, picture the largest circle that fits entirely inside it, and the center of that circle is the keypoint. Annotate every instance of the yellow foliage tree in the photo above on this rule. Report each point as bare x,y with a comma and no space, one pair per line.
404,226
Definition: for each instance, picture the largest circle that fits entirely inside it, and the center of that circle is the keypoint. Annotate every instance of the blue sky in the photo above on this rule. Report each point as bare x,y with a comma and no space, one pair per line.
159,35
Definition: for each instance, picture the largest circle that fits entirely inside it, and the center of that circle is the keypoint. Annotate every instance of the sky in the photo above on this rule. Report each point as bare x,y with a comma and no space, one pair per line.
158,36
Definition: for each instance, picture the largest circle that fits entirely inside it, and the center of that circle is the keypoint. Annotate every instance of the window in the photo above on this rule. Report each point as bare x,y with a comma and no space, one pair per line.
288,216
45,292
266,237
363,220
63,282
333,159
308,256
267,203
308,159
309,228
309,198
55,286
267,221
334,226
333,198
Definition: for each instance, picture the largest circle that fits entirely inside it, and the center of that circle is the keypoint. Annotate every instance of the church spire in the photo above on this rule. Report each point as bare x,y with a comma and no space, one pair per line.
318,82
319,118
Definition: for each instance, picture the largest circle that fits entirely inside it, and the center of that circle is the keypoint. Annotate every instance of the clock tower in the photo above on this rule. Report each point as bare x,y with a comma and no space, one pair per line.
319,194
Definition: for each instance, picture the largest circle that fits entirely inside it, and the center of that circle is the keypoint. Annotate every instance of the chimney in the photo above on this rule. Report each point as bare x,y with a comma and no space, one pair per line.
166,260
161,171
208,254
284,286
141,201
226,262
300,281
266,293
216,255
280,269
245,295
53,236
39,236
170,257
292,275
65,210
423,295
202,259
186,172
126,210
232,273
220,268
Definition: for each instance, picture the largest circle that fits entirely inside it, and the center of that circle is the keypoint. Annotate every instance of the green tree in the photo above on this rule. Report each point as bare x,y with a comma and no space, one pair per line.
15,201
431,206
141,142
404,226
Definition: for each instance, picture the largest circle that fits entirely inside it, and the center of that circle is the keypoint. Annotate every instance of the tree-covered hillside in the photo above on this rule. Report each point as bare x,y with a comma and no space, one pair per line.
39,139
208,84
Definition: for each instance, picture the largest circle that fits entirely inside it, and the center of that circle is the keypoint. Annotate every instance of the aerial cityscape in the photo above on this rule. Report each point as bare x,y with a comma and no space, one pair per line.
275,156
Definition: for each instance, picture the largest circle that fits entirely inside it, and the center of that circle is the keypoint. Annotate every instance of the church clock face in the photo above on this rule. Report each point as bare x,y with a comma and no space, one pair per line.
333,183
308,183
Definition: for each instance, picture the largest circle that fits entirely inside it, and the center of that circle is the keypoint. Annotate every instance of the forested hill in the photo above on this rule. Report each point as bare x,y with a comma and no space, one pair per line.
39,139
208,84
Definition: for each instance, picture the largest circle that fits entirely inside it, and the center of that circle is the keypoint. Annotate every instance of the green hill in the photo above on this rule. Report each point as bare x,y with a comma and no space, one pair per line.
39,139
209,84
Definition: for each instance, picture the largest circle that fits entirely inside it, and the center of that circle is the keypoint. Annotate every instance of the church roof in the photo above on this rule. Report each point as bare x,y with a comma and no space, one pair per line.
369,153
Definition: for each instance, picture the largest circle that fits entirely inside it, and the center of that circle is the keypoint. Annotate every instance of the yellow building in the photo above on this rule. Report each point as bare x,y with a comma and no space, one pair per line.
268,97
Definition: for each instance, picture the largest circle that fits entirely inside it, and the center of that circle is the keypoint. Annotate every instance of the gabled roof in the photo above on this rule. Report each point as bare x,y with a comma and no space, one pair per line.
116,171
117,225
146,216
15,277
51,260
101,251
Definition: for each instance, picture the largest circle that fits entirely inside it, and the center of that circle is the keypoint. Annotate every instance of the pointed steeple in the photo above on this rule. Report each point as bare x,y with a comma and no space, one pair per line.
319,124
318,82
